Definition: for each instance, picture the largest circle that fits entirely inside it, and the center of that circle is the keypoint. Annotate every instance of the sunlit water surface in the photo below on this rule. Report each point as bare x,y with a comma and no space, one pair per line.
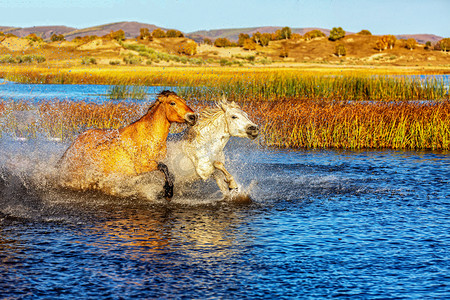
346,224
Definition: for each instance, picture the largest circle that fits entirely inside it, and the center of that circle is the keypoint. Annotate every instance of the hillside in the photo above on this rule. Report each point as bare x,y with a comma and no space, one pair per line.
131,29
44,32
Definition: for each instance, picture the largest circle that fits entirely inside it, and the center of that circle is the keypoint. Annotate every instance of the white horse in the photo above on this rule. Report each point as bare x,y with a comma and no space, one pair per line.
200,154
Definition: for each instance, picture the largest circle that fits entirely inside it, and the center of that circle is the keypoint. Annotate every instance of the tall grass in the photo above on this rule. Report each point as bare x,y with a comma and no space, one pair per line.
284,124
355,125
250,84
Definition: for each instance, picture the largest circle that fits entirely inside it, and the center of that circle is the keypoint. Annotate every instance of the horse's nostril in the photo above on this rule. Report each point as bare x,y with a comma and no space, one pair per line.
191,118
252,128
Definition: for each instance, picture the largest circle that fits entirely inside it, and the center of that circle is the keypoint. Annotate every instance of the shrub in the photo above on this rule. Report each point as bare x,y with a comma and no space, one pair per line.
188,48
174,33
364,32
118,35
57,38
249,44
208,41
313,34
114,62
410,44
222,42
8,59
158,33
88,60
34,38
30,58
340,50
284,52
336,33
132,60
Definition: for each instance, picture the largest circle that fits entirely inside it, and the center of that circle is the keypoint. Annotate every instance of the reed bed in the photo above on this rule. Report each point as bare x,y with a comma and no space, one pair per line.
251,84
284,124
354,125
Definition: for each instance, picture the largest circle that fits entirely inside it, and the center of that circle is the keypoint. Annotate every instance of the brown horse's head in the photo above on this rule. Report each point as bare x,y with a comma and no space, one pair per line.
176,108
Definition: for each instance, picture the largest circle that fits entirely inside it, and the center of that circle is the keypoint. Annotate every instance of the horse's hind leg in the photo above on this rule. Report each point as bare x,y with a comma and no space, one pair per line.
228,177
168,185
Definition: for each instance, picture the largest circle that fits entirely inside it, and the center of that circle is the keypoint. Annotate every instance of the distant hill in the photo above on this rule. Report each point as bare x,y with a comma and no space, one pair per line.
131,29
233,33
44,32
420,38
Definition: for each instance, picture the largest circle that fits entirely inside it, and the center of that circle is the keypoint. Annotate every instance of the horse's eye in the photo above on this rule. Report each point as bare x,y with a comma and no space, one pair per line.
234,117
172,103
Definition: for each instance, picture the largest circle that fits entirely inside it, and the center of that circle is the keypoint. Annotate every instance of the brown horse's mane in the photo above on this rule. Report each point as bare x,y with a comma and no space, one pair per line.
164,93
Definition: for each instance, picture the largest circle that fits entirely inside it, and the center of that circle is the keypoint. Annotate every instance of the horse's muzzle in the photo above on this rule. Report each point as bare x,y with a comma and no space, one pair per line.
252,131
191,119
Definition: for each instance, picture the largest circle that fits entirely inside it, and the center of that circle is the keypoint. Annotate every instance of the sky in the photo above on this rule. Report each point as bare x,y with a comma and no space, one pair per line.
377,16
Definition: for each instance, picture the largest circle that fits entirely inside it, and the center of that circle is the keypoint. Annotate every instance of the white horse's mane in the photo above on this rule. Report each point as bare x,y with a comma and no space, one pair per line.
211,114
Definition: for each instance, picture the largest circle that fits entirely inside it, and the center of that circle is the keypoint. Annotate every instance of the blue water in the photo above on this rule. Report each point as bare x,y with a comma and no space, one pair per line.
322,224
96,93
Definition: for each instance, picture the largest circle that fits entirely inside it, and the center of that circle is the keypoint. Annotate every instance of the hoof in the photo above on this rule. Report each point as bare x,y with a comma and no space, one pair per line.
168,191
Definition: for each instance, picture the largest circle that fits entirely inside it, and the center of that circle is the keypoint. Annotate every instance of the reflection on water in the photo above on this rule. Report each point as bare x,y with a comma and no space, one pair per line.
363,224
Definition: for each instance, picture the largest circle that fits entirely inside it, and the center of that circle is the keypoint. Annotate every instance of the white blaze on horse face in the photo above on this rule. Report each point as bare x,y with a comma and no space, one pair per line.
238,122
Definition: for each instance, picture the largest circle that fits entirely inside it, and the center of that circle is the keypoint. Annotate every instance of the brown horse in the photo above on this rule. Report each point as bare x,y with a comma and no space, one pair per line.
99,156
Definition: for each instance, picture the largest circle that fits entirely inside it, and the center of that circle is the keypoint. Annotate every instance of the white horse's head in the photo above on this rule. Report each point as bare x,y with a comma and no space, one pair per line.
237,120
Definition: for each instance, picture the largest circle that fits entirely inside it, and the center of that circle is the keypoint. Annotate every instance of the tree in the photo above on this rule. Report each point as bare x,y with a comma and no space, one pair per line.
284,52
256,37
172,33
410,44
427,45
444,44
188,48
118,35
265,39
158,33
57,38
144,34
336,33
313,34
340,50
222,42
364,32
249,44
296,36
380,45
389,40
285,33
208,41
34,38
242,38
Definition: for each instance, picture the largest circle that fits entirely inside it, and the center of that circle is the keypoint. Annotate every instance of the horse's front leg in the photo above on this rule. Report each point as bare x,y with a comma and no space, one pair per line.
228,177
168,185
